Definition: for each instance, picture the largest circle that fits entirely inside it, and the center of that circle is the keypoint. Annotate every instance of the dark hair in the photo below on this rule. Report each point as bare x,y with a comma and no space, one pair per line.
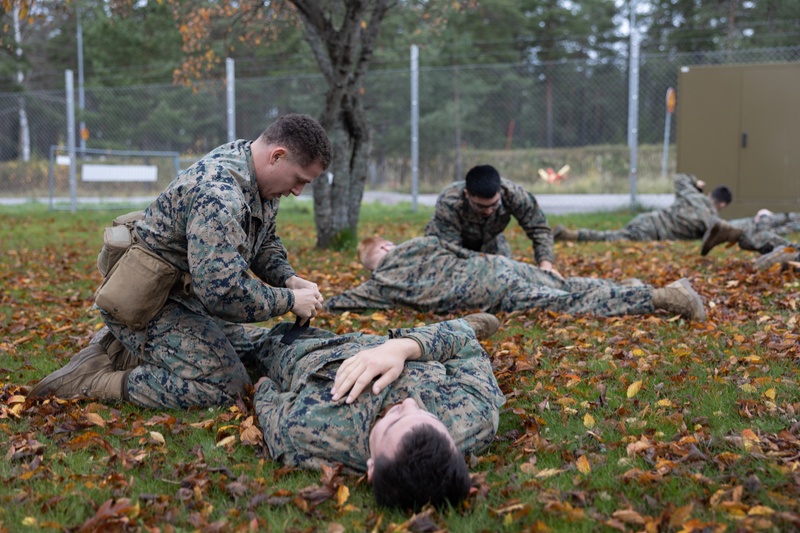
304,138
483,181
722,194
426,469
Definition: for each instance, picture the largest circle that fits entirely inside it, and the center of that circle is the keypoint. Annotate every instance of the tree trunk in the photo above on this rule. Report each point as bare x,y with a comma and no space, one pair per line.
24,130
342,48
337,200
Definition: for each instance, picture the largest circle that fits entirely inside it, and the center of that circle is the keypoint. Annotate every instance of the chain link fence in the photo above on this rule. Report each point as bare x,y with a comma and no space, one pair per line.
518,117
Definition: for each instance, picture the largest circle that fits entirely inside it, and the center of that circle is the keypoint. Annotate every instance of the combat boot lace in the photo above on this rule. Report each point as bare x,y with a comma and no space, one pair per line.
560,233
89,374
680,298
719,233
483,324
121,358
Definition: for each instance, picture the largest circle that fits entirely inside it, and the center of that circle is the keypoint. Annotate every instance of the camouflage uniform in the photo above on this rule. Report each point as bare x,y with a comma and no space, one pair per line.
302,426
429,275
210,221
767,233
457,222
686,219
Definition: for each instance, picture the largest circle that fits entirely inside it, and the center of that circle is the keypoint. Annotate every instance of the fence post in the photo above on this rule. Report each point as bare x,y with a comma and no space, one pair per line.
73,184
667,120
51,175
231,92
414,126
633,102
81,99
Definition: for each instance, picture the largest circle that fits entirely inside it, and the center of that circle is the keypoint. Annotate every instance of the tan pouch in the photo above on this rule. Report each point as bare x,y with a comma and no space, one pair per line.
137,287
116,240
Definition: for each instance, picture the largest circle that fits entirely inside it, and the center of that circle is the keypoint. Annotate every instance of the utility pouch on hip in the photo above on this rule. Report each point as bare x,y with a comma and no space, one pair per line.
137,287
116,240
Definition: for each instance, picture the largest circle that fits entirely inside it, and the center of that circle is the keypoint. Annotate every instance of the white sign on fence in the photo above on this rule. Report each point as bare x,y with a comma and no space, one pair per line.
119,173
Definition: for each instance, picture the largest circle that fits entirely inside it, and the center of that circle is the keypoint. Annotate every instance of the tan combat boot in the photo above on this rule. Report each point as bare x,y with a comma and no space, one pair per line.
484,324
560,233
121,357
89,374
782,255
717,234
679,297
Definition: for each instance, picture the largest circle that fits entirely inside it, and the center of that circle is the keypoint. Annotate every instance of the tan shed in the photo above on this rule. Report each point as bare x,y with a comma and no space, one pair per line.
739,125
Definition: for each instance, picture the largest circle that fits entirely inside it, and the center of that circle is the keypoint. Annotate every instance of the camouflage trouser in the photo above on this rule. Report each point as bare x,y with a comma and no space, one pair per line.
540,289
767,233
186,359
641,228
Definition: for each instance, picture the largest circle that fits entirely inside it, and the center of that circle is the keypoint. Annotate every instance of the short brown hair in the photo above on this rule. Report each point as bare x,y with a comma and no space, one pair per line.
304,138
426,469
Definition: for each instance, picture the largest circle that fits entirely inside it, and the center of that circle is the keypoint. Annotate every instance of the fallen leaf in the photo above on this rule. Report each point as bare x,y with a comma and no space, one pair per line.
342,494
583,465
629,516
95,419
633,388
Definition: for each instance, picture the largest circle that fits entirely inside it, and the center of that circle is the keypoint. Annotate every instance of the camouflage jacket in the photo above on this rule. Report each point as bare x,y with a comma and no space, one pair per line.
302,426
690,214
211,222
456,222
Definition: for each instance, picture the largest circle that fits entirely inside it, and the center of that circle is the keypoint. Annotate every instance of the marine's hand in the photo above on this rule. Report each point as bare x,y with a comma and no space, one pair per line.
547,265
386,361
307,303
700,184
296,282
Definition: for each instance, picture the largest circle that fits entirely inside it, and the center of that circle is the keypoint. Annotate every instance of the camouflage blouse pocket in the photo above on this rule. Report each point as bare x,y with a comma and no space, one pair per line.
137,287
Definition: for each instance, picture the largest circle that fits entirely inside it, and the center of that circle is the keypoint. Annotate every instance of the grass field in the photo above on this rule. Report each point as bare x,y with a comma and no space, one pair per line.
621,424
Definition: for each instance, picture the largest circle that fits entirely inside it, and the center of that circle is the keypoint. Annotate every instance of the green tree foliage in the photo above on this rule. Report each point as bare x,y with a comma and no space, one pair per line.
691,26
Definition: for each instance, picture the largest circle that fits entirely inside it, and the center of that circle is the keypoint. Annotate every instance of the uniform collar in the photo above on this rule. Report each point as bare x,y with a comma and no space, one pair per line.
258,207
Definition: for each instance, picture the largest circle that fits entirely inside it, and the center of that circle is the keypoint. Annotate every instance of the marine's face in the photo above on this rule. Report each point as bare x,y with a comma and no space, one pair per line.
388,431
484,206
278,175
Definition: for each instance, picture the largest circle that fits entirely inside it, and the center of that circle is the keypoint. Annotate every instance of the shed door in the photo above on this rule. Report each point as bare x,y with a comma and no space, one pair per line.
769,160
709,103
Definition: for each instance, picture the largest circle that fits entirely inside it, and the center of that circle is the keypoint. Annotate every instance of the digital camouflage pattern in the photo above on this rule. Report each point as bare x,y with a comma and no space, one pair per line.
426,274
210,221
302,426
455,221
186,359
686,219
767,231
